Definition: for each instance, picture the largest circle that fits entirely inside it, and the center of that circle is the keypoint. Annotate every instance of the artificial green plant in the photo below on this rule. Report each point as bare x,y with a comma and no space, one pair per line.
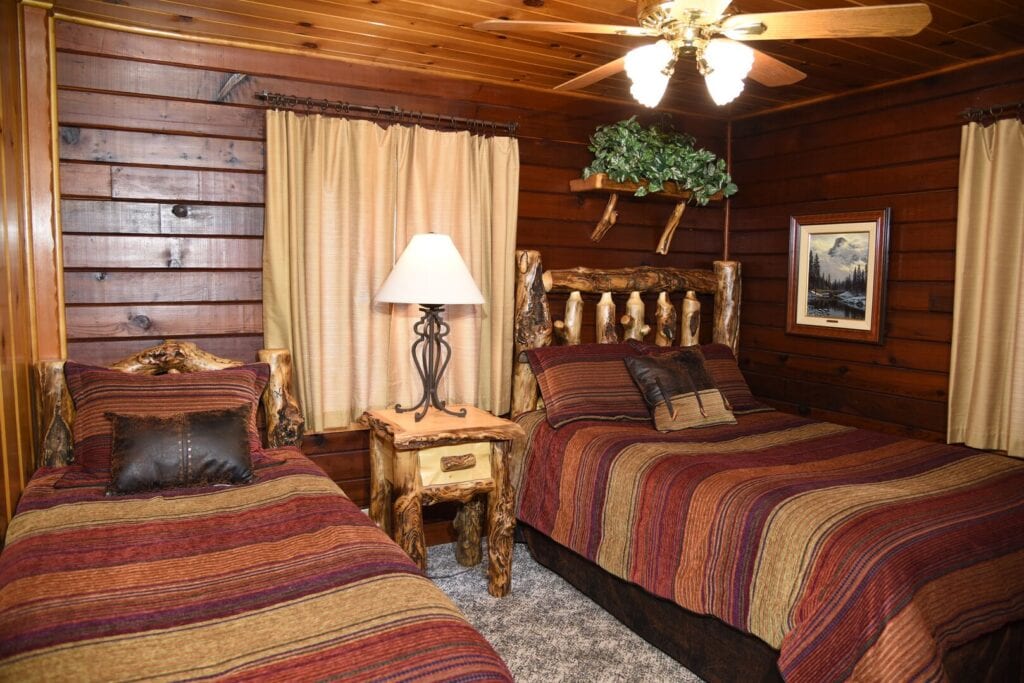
628,152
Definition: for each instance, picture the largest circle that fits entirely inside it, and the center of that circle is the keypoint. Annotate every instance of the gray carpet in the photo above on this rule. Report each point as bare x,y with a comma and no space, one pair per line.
546,630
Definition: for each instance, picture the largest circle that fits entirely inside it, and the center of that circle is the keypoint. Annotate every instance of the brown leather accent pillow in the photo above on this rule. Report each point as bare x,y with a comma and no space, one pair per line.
721,365
679,390
199,448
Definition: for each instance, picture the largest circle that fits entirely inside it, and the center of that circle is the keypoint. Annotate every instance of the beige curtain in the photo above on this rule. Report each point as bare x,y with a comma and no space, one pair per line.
343,198
986,385
465,186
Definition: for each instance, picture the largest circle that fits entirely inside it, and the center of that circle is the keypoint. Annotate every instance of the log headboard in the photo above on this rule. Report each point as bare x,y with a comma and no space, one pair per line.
284,421
534,327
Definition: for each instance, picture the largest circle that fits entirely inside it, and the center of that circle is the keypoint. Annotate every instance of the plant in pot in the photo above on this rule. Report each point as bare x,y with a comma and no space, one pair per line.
652,156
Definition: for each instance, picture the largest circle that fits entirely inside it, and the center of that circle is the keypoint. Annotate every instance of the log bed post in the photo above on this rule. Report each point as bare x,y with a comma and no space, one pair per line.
727,304
285,423
532,328
55,415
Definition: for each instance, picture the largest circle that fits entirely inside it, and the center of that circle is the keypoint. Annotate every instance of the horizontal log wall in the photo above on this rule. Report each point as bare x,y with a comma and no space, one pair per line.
895,147
162,190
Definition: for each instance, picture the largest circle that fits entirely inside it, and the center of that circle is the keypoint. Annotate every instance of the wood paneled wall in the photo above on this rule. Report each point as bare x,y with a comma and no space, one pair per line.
16,319
898,147
161,148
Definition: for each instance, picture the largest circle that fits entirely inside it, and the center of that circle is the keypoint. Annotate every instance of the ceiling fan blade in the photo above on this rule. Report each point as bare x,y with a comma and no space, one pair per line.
844,22
768,70
594,75
506,26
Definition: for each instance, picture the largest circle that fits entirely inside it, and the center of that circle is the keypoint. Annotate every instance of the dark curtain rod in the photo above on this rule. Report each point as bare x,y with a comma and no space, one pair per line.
989,115
386,114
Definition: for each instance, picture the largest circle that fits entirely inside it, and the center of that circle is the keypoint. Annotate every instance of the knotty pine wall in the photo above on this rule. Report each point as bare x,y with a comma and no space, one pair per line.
16,318
894,147
161,168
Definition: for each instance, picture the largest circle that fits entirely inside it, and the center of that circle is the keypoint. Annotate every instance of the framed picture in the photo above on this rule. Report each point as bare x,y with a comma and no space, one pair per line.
837,272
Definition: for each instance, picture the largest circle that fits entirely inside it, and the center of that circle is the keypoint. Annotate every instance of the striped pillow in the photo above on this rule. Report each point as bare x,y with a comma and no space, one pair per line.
720,362
96,391
587,382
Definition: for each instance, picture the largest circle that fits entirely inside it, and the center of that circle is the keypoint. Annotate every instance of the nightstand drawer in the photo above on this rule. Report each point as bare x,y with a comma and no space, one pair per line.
434,461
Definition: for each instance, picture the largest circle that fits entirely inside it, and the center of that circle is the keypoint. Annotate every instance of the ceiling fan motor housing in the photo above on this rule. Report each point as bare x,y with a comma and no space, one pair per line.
687,37
654,14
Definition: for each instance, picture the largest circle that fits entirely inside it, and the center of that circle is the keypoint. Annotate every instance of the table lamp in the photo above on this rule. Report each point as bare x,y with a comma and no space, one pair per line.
431,273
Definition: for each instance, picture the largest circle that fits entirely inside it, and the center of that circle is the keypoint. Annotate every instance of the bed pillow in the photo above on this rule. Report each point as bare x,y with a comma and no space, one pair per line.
587,382
721,364
196,448
679,390
97,391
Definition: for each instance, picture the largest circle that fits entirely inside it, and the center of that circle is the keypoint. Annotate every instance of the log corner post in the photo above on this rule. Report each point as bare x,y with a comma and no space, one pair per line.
532,328
727,304
55,415
285,424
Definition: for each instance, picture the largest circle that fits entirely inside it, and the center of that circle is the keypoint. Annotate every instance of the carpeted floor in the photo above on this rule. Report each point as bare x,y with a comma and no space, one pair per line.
548,631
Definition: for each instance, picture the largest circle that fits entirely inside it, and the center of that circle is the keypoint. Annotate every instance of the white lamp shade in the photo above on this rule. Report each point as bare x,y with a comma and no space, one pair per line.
430,271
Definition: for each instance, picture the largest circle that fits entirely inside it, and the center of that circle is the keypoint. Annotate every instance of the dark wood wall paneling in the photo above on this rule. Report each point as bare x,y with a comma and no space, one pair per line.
895,147
16,319
162,190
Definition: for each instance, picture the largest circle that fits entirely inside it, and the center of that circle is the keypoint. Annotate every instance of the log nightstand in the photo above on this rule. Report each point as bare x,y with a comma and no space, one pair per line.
445,458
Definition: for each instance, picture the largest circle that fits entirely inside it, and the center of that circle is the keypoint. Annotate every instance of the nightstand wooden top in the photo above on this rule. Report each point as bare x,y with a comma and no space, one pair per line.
439,429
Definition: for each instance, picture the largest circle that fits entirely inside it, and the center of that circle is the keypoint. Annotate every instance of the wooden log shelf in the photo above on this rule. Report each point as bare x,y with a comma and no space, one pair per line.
600,182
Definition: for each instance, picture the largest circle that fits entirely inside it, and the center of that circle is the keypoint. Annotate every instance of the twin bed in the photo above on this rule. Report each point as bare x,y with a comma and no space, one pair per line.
765,547
268,574
769,547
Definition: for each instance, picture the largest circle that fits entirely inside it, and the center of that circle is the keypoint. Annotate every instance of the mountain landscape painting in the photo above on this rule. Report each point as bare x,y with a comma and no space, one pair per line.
838,265
837,275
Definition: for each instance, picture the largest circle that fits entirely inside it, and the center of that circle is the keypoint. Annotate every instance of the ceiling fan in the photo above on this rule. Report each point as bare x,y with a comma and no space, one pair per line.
708,32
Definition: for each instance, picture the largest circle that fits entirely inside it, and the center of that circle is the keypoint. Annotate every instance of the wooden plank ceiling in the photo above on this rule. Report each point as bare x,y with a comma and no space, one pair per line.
437,36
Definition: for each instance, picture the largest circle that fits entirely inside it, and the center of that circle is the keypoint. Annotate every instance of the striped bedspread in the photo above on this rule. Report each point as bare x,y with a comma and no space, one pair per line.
857,555
283,579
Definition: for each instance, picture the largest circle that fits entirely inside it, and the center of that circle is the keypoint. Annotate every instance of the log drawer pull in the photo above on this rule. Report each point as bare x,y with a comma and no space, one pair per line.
463,461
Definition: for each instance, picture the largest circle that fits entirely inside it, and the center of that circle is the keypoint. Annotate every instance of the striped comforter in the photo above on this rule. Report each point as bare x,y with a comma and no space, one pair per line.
281,579
858,555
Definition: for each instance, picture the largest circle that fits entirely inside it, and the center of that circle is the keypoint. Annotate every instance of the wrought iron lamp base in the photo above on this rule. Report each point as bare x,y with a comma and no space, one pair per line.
431,355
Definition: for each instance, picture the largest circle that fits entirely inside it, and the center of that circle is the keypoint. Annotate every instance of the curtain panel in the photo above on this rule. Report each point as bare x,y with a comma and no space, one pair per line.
343,199
986,384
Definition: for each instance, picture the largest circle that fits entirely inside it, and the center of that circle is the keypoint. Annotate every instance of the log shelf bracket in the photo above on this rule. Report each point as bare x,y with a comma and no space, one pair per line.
600,182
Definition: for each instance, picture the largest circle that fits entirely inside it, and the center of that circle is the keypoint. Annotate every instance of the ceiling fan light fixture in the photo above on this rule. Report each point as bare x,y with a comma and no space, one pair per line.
723,88
649,67
649,91
725,64
727,57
